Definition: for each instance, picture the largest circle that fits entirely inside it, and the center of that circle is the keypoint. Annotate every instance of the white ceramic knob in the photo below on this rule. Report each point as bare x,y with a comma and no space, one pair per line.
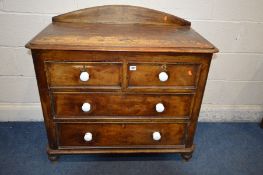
84,76
86,107
159,107
88,137
163,76
157,136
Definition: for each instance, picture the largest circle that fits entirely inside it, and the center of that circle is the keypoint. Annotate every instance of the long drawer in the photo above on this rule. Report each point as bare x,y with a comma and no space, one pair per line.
81,105
107,135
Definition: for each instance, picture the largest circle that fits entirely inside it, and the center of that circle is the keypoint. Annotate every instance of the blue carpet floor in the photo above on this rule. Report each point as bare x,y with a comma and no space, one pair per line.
222,148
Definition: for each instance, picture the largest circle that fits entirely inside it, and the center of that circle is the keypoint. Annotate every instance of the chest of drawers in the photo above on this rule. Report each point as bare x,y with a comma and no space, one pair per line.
120,79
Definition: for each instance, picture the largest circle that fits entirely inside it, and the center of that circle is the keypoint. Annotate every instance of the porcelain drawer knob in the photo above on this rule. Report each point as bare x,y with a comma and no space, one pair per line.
159,107
163,76
157,136
84,76
88,137
86,107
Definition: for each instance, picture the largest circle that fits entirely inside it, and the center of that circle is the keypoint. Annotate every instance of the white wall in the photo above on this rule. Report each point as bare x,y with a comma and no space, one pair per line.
235,87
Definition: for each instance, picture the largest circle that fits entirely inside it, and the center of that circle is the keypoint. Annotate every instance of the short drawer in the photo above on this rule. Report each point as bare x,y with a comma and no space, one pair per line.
154,75
121,134
81,105
84,74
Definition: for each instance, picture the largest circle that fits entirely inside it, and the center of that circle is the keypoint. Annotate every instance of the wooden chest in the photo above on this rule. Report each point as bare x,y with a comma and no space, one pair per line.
120,79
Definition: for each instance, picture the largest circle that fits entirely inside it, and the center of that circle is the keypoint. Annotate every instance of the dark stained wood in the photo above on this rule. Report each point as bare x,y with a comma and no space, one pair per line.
120,14
100,74
105,41
117,150
187,156
45,100
68,105
198,102
121,135
109,56
121,28
147,75
121,37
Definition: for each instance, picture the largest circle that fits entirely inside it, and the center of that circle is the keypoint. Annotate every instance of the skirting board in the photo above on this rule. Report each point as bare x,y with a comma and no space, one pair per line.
209,113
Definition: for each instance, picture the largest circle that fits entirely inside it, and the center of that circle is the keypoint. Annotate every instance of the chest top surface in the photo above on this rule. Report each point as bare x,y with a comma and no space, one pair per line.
121,28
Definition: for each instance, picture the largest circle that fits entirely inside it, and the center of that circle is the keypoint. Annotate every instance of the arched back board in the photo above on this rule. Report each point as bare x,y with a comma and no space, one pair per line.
120,14
121,28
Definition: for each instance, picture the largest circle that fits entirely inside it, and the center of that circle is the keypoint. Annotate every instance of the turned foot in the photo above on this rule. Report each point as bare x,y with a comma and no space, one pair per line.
53,157
186,156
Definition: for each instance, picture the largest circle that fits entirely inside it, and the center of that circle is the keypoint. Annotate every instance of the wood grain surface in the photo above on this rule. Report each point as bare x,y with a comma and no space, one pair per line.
105,41
120,14
147,74
116,105
62,74
121,134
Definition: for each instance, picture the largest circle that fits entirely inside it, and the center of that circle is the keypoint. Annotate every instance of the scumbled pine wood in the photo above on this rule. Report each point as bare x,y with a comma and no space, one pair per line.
106,42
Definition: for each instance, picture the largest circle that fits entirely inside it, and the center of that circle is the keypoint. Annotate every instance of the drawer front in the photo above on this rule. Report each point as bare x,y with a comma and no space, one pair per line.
153,75
102,134
84,74
67,105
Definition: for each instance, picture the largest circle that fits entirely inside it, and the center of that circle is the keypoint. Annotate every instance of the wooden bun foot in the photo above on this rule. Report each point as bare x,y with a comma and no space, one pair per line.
53,157
186,156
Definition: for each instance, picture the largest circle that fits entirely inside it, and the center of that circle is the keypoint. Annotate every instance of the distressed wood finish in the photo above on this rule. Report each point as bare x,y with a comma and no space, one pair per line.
120,37
146,75
131,135
105,41
100,74
68,105
120,14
